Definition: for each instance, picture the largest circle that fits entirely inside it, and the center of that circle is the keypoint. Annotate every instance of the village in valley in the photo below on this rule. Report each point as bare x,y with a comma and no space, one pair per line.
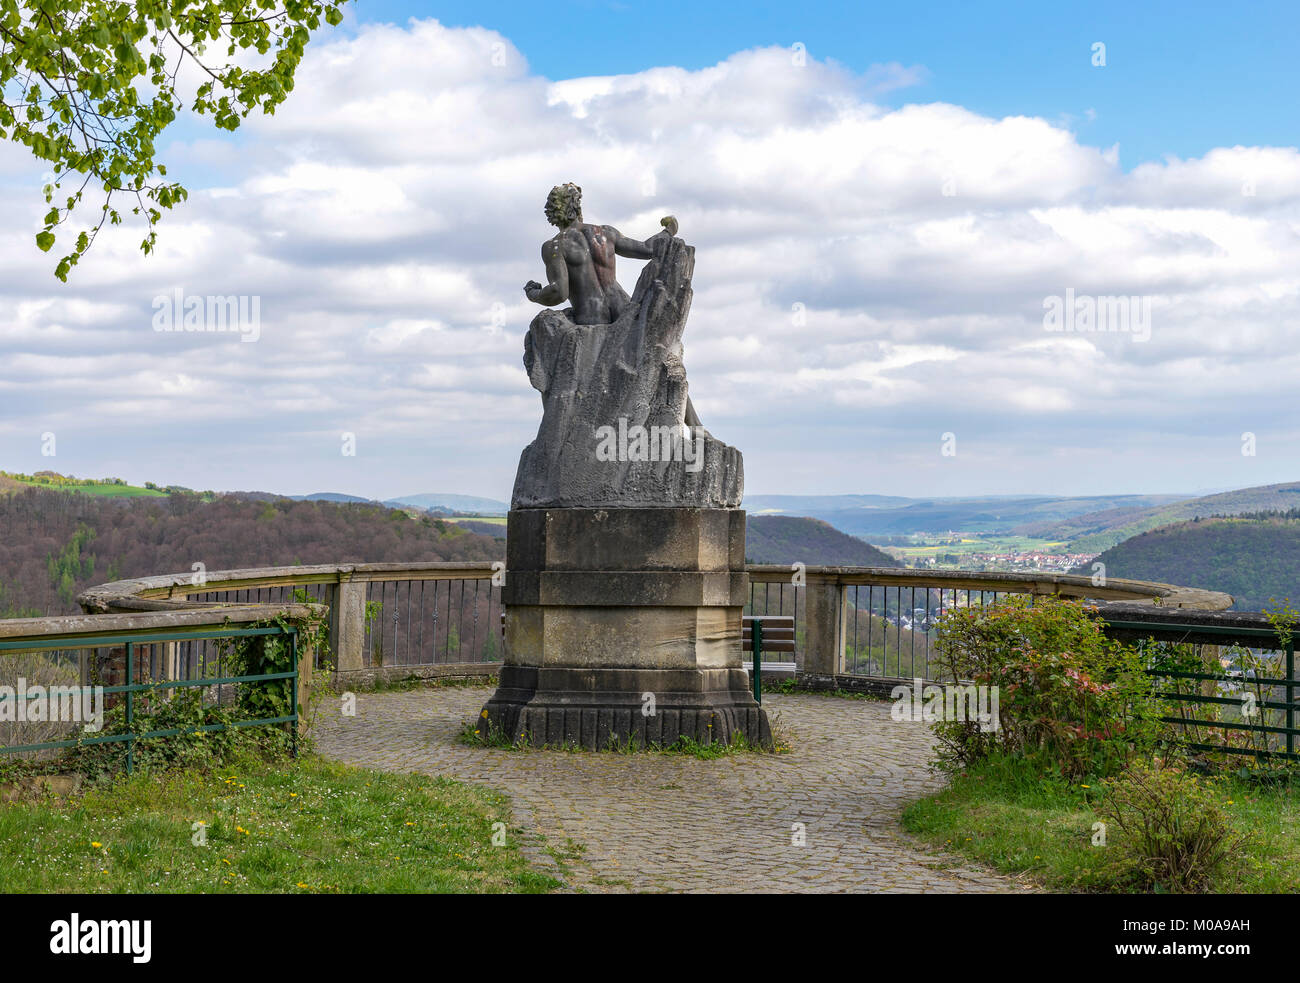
980,551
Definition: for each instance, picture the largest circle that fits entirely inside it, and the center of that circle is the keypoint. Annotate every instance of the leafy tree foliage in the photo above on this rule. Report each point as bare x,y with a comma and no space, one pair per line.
1254,557
89,85
70,565
790,539
56,544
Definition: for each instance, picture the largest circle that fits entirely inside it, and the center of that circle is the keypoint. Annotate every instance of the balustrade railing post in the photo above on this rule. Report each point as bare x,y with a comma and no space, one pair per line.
305,663
347,600
825,612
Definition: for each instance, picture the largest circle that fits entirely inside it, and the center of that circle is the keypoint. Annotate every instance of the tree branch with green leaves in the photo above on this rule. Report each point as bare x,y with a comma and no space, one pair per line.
71,75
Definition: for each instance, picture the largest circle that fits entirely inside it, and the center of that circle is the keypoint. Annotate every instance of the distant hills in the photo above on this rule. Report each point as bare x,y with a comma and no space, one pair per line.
1088,524
452,503
57,544
776,539
444,502
808,504
329,497
430,501
1094,532
1245,542
880,515
1253,559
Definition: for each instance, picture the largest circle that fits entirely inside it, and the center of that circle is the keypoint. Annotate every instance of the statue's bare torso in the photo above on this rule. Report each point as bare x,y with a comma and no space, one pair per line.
580,268
588,253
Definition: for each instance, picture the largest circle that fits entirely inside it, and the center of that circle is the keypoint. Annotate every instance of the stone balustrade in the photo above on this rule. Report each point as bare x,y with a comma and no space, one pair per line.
821,590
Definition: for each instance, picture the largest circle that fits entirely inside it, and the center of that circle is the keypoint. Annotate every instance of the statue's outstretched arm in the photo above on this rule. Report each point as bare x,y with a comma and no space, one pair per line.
556,290
631,248
635,248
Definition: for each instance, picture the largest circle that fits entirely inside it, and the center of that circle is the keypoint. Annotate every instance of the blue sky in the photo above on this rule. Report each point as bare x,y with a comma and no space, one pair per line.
1180,78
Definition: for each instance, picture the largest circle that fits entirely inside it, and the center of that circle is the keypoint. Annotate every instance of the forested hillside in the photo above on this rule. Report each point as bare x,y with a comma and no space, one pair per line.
1098,531
872,516
1254,559
54,544
786,539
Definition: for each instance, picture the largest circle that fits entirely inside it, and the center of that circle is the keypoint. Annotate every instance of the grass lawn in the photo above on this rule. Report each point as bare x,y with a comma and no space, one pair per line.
113,491
104,490
1018,822
296,827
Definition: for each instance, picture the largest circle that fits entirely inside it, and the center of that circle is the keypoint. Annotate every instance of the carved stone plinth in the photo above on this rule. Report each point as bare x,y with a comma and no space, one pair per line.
623,625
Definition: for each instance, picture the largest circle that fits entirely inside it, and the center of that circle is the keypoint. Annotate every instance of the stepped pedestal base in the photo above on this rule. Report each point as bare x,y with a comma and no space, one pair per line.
602,708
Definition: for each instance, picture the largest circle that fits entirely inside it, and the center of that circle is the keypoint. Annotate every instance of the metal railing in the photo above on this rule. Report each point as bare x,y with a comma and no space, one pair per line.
432,622
1231,677
382,616
139,659
857,621
880,622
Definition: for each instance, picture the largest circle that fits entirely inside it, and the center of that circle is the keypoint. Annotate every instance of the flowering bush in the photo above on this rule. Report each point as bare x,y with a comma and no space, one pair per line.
1068,696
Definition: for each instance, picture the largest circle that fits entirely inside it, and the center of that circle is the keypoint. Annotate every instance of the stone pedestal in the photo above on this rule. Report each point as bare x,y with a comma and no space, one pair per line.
623,624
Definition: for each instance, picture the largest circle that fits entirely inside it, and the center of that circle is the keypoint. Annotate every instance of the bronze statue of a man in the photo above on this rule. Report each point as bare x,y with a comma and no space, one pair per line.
580,260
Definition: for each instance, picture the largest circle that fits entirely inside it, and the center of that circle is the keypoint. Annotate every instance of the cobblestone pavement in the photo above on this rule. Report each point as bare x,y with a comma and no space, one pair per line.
671,822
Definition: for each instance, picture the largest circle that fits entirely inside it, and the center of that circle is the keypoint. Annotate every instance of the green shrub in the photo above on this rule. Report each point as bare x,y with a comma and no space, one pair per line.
184,710
260,655
1068,697
1173,834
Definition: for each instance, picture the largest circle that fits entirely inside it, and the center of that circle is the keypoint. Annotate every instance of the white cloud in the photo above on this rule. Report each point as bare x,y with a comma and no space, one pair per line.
388,215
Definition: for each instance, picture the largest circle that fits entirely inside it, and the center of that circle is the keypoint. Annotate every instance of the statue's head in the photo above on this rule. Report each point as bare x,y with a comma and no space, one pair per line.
564,205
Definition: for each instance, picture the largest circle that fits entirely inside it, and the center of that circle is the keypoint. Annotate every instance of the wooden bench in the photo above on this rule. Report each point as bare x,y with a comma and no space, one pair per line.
762,634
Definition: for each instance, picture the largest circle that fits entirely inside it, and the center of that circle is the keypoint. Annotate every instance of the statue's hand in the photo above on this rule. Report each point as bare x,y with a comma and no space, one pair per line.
532,289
